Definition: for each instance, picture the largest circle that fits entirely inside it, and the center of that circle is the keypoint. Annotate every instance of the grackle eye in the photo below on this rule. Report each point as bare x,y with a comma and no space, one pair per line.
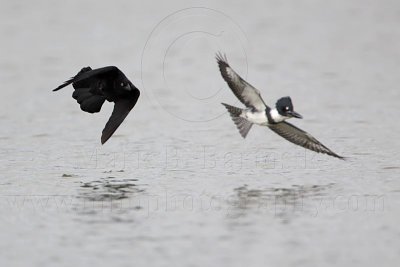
123,84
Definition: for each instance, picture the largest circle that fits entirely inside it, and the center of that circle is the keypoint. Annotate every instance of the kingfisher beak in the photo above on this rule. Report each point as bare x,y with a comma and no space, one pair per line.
295,114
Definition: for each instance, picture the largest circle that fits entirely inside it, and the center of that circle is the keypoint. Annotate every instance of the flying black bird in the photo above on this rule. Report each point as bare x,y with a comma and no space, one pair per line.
93,87
257,112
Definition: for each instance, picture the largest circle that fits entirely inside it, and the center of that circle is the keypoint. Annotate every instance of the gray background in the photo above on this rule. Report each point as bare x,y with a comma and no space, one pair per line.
177,185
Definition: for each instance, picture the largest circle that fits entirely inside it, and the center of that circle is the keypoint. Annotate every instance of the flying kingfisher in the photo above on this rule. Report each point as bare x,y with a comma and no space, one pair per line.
257,112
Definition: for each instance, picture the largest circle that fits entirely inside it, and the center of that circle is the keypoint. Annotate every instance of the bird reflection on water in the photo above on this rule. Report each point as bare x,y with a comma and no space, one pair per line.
281,202
109,189
109,199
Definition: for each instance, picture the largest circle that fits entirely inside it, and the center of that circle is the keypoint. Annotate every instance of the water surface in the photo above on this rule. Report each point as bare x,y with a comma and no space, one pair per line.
177,185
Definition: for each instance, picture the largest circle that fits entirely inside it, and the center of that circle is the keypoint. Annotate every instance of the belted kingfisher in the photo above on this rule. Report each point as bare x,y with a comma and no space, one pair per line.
93,87
257,112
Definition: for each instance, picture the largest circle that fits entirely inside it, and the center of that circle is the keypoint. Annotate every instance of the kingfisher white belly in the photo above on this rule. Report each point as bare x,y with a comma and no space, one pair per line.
257,117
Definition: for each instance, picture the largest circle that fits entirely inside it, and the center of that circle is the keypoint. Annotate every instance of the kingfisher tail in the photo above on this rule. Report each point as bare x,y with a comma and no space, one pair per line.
241,123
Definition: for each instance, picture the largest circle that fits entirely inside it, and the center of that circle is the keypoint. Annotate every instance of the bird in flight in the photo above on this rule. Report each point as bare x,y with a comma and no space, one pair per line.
94,87
257,112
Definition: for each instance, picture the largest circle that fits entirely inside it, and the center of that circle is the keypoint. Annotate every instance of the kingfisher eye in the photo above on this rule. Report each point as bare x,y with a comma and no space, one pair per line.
286,108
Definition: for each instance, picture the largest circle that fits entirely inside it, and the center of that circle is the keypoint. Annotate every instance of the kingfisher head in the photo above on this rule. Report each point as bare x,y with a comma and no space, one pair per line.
284,107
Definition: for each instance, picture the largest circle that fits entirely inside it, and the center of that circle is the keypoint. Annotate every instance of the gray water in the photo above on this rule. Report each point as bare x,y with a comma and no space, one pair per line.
177,185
